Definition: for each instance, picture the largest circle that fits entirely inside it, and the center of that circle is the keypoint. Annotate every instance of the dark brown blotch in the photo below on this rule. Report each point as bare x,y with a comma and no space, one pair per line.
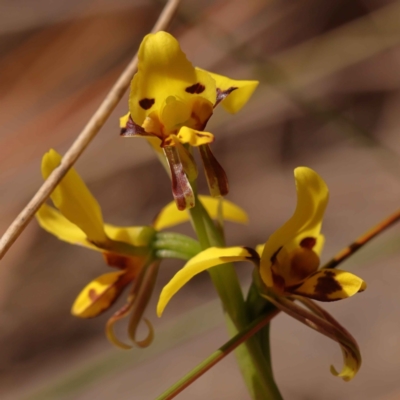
146,103
327,284
197,88
308,243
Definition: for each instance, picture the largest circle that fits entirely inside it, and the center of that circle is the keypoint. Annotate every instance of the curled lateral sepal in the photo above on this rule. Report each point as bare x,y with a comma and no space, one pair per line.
350,350
324,323
215,174
181,188
135,305
143,297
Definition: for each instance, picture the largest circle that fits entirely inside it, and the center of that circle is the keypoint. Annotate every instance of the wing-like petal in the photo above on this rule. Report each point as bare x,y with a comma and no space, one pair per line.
206,259
312,199
74,200
239,96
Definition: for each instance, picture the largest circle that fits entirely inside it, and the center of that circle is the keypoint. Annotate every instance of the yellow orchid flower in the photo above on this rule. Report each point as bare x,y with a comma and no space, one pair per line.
78,220
171,102
290,257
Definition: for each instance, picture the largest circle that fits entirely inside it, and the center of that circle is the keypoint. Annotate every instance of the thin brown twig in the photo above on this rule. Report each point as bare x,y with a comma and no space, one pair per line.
363,240
82,141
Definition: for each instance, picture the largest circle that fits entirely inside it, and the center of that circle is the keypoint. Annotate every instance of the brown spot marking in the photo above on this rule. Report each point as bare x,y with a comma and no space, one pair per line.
93,295
308,243
197,88
146,103
327,284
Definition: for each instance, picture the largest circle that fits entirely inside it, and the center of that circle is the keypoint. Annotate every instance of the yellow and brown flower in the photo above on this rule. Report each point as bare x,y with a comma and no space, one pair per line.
170,104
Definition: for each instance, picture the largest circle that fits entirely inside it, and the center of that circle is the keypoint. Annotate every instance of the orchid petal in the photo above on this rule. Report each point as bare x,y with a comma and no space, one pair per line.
55,223
238,97
206,259
100,294
329,285
348,345
312,199
74,200
164,71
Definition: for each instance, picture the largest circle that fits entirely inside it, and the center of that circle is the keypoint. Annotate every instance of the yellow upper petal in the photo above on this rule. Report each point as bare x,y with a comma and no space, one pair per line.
312,199
329,285
171,216
99,294
164,71
206,259
74,200
239,97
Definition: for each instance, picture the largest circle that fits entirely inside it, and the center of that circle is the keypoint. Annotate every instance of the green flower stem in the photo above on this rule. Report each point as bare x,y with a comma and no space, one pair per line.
255,367
257,306
218,355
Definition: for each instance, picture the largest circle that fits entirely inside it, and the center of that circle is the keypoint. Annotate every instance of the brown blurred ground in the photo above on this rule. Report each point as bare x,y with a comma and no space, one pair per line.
329,99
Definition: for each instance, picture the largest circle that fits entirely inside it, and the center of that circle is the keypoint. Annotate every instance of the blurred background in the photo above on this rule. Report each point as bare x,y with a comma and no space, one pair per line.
329,98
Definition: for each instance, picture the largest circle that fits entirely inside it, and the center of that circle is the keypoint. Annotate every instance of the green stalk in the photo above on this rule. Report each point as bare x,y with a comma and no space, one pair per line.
255,368
218,355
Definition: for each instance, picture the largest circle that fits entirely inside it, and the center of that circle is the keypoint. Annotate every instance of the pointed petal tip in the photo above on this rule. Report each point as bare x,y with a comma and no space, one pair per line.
346,376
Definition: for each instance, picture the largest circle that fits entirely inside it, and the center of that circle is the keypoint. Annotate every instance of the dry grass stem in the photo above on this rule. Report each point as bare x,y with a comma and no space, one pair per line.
363,240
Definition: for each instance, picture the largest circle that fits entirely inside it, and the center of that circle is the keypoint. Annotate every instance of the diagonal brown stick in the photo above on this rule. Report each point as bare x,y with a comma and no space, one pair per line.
82,141
363,240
